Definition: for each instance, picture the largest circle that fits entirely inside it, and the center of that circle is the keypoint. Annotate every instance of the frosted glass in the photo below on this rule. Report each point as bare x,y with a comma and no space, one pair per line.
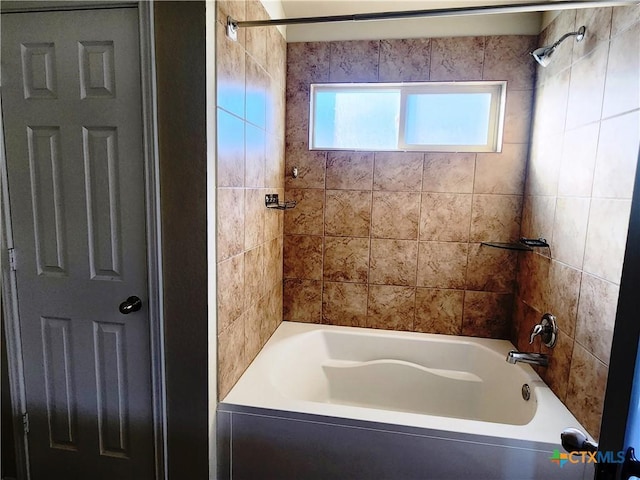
364,120
447,119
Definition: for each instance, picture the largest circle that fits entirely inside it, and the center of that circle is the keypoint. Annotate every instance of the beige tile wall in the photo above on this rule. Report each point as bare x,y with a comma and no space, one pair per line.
392,240
584,151
250,122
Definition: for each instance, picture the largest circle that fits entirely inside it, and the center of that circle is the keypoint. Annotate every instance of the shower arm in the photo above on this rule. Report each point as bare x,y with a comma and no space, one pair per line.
579,34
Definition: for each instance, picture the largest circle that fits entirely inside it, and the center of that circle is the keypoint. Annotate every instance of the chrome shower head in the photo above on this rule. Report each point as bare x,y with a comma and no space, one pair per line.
543,54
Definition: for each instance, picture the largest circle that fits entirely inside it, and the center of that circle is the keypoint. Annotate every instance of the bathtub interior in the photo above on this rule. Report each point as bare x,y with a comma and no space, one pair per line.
431,375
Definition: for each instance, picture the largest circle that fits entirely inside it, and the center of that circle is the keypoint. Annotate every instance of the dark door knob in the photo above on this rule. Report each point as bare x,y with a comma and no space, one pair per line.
131,304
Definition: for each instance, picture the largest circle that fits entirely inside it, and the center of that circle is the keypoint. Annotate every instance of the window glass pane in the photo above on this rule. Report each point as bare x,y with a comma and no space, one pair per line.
447,118
438,116
365,119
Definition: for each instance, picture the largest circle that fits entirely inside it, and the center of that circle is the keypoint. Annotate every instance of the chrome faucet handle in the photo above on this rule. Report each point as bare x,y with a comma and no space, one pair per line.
535,331
547,329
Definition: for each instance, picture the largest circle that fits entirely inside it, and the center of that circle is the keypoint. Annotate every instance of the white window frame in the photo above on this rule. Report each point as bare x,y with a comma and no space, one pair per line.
497,89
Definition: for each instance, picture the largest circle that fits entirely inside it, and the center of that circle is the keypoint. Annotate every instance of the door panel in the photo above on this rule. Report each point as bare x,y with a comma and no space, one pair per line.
59,383
73,129
100,148
113,415
44,166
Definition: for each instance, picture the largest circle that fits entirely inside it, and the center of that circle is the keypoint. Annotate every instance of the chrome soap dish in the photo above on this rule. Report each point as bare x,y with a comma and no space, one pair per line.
524,244
271,201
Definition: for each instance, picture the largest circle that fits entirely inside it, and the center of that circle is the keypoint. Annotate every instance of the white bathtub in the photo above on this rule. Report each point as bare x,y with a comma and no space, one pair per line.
440,382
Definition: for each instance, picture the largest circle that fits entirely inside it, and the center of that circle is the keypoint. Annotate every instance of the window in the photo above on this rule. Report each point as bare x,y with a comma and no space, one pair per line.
440,117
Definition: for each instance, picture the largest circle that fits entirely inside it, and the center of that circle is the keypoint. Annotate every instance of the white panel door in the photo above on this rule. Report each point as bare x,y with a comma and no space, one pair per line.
73,128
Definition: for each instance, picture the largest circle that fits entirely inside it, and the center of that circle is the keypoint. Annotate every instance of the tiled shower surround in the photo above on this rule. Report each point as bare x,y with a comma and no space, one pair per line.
392,239
250,122
578,195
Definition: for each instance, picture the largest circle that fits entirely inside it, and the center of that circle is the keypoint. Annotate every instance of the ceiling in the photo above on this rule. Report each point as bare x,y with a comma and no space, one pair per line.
495,24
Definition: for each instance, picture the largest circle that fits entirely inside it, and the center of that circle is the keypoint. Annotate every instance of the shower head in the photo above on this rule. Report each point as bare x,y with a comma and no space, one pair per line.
543,54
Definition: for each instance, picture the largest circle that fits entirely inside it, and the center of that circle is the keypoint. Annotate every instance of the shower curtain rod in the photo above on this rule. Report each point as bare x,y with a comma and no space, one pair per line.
233,25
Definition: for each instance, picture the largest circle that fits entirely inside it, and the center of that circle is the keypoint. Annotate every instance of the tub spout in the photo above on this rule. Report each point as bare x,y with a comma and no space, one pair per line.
540,359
